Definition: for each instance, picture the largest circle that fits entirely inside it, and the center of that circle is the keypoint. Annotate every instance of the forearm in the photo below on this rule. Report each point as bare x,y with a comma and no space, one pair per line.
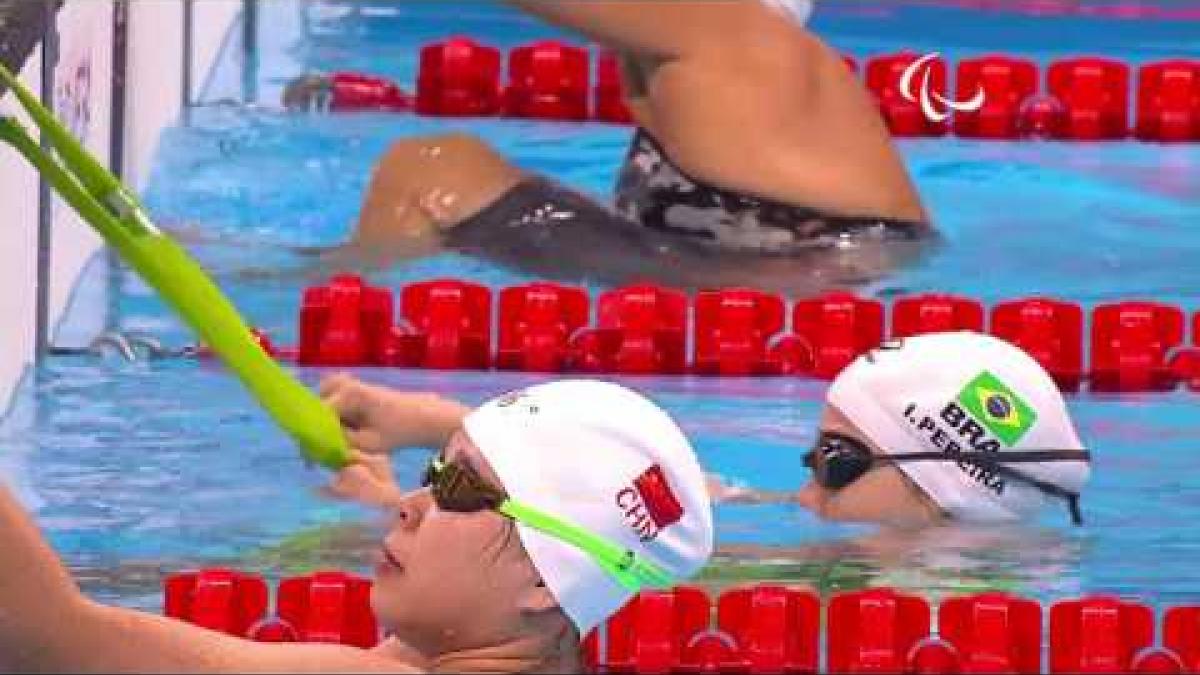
37,595
637,25
46,624
442,417
114,639
721,492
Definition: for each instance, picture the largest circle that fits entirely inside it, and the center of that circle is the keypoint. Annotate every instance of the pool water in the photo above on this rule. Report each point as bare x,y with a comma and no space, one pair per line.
139,469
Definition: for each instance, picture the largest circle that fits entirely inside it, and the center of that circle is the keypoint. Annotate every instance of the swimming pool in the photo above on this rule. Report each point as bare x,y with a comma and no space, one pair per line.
140,469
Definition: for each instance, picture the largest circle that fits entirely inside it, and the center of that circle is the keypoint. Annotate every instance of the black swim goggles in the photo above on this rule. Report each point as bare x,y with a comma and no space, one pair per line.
838,460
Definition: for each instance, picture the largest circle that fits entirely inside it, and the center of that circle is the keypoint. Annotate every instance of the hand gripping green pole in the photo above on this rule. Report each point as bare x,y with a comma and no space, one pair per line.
109,207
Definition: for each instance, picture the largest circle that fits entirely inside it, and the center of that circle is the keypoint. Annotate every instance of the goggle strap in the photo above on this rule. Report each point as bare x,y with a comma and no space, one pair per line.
1072,498
1073,505
997,462
627,568
1011,457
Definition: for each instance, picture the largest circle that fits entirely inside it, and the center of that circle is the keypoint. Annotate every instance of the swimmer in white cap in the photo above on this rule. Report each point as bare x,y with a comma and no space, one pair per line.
758,159
949,427
545,511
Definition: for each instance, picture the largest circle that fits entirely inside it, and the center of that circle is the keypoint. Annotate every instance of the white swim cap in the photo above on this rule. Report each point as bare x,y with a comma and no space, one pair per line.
606,459
967,392
797,10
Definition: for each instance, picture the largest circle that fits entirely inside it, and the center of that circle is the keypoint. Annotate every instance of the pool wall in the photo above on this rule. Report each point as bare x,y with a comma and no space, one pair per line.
117,72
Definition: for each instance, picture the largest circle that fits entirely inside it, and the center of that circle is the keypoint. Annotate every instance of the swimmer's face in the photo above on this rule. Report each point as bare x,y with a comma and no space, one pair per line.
452,581
883,495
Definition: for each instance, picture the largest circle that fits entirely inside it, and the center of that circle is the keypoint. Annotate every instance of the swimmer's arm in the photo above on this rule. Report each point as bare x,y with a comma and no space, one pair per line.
445,417
638,25
378,419
47,624
750,61
114,639
752,496
722,492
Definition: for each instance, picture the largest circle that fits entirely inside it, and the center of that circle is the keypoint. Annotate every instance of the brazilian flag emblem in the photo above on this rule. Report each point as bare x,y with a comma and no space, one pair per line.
999,408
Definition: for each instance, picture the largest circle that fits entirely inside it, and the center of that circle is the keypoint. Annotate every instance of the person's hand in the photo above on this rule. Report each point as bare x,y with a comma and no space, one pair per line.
722,492
378,419
367,479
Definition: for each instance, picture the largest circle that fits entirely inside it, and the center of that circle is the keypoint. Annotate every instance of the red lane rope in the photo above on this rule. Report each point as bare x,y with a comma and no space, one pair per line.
642,329
1088,98
762,628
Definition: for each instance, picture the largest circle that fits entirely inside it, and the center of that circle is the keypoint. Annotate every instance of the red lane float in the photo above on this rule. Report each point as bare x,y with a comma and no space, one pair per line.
1185,367
591,652
1042,116
1051,331
934,656
640,330
733,330
537,322
649,634
1006,84
874,630
1095,97
1136,346
1168,107
761,628
1131,342
358,92
1153,660
448,325
330,607
776,628
548,79
711,651
1181,634
219,599
274,630
610,103
903,116
1185,362
345,323
459,77
993,632
935,313
1098,634
322,607
828,333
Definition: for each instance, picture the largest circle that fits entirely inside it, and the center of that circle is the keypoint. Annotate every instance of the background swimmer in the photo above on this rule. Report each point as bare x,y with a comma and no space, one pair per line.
459,587
758,160
943,428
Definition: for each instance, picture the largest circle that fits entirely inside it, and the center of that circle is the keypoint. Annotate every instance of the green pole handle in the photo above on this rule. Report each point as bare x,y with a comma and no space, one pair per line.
103,202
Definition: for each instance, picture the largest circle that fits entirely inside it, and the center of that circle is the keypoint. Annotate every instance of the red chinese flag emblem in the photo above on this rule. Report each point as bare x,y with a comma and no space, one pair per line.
656,494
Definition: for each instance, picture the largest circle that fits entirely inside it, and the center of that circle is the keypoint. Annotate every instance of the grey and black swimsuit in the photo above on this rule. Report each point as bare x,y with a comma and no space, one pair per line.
652,191
655,194
662,219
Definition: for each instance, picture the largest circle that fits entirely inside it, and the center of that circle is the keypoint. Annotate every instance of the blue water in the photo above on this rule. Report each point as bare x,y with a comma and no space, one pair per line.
135,470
